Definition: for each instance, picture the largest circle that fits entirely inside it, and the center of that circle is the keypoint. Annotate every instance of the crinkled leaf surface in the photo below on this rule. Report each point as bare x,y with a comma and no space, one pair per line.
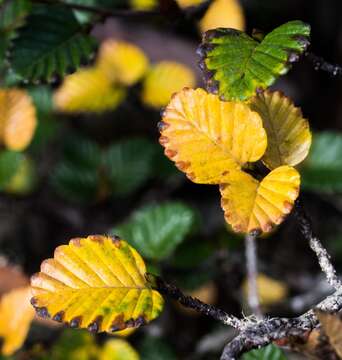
235,65
51,43
225,14
322,170
207,138
163,80
118,349
122,62
332,327
250,205
88,90
288,133
17,119
16,315
97,283
270,352
155,231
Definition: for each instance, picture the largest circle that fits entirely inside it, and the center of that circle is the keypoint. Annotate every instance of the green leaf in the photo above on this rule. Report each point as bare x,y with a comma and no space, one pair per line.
51,43
9,164
12,15
270,352
322,170
129,164
153,348
155,231
236,65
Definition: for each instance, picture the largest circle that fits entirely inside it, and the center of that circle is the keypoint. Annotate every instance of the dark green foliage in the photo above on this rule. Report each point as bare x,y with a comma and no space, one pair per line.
155,231
270,352
129,164
153,348
9,164
51,43
322,170
236,65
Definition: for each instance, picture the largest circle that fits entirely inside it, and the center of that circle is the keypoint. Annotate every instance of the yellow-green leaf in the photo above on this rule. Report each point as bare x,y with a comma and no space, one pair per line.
225,14
97,283
207,138
122,62
88,90
250,205
288,133
17,119
163,80
118,349
16,315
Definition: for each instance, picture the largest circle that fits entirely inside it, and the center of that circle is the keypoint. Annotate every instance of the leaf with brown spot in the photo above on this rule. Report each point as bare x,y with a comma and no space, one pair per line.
207,138
97,283
250,205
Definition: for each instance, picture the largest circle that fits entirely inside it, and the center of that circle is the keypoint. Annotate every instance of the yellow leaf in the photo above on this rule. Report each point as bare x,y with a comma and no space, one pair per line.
250,205
270,291
207,138
122,62
118,349
332,326
223,13
144,4
288,133
97,283
88,90
163,80
16,315
17,119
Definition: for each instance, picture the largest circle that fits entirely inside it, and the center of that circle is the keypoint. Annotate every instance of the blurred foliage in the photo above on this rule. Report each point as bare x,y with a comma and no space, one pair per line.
270,352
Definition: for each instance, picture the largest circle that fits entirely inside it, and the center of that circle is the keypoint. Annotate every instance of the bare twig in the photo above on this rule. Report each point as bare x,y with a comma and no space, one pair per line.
188,301
320,64
316,246
252,273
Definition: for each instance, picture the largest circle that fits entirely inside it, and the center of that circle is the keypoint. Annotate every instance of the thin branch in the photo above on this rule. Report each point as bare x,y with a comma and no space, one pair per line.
252,274
320,64
188,301
321,253
264,332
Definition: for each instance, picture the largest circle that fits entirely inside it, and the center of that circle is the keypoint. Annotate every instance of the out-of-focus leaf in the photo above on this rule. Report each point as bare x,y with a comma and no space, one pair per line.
24,180
42,99
88,90
163,80
16,315
51,43
17,119
288,133
10,162
332,326
122,62
250,205
129,164
196,132
223,14
188,3
157,230
144,4
72,345
259,64
322,170
96,283
118,349
270,352
270,291
153,348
